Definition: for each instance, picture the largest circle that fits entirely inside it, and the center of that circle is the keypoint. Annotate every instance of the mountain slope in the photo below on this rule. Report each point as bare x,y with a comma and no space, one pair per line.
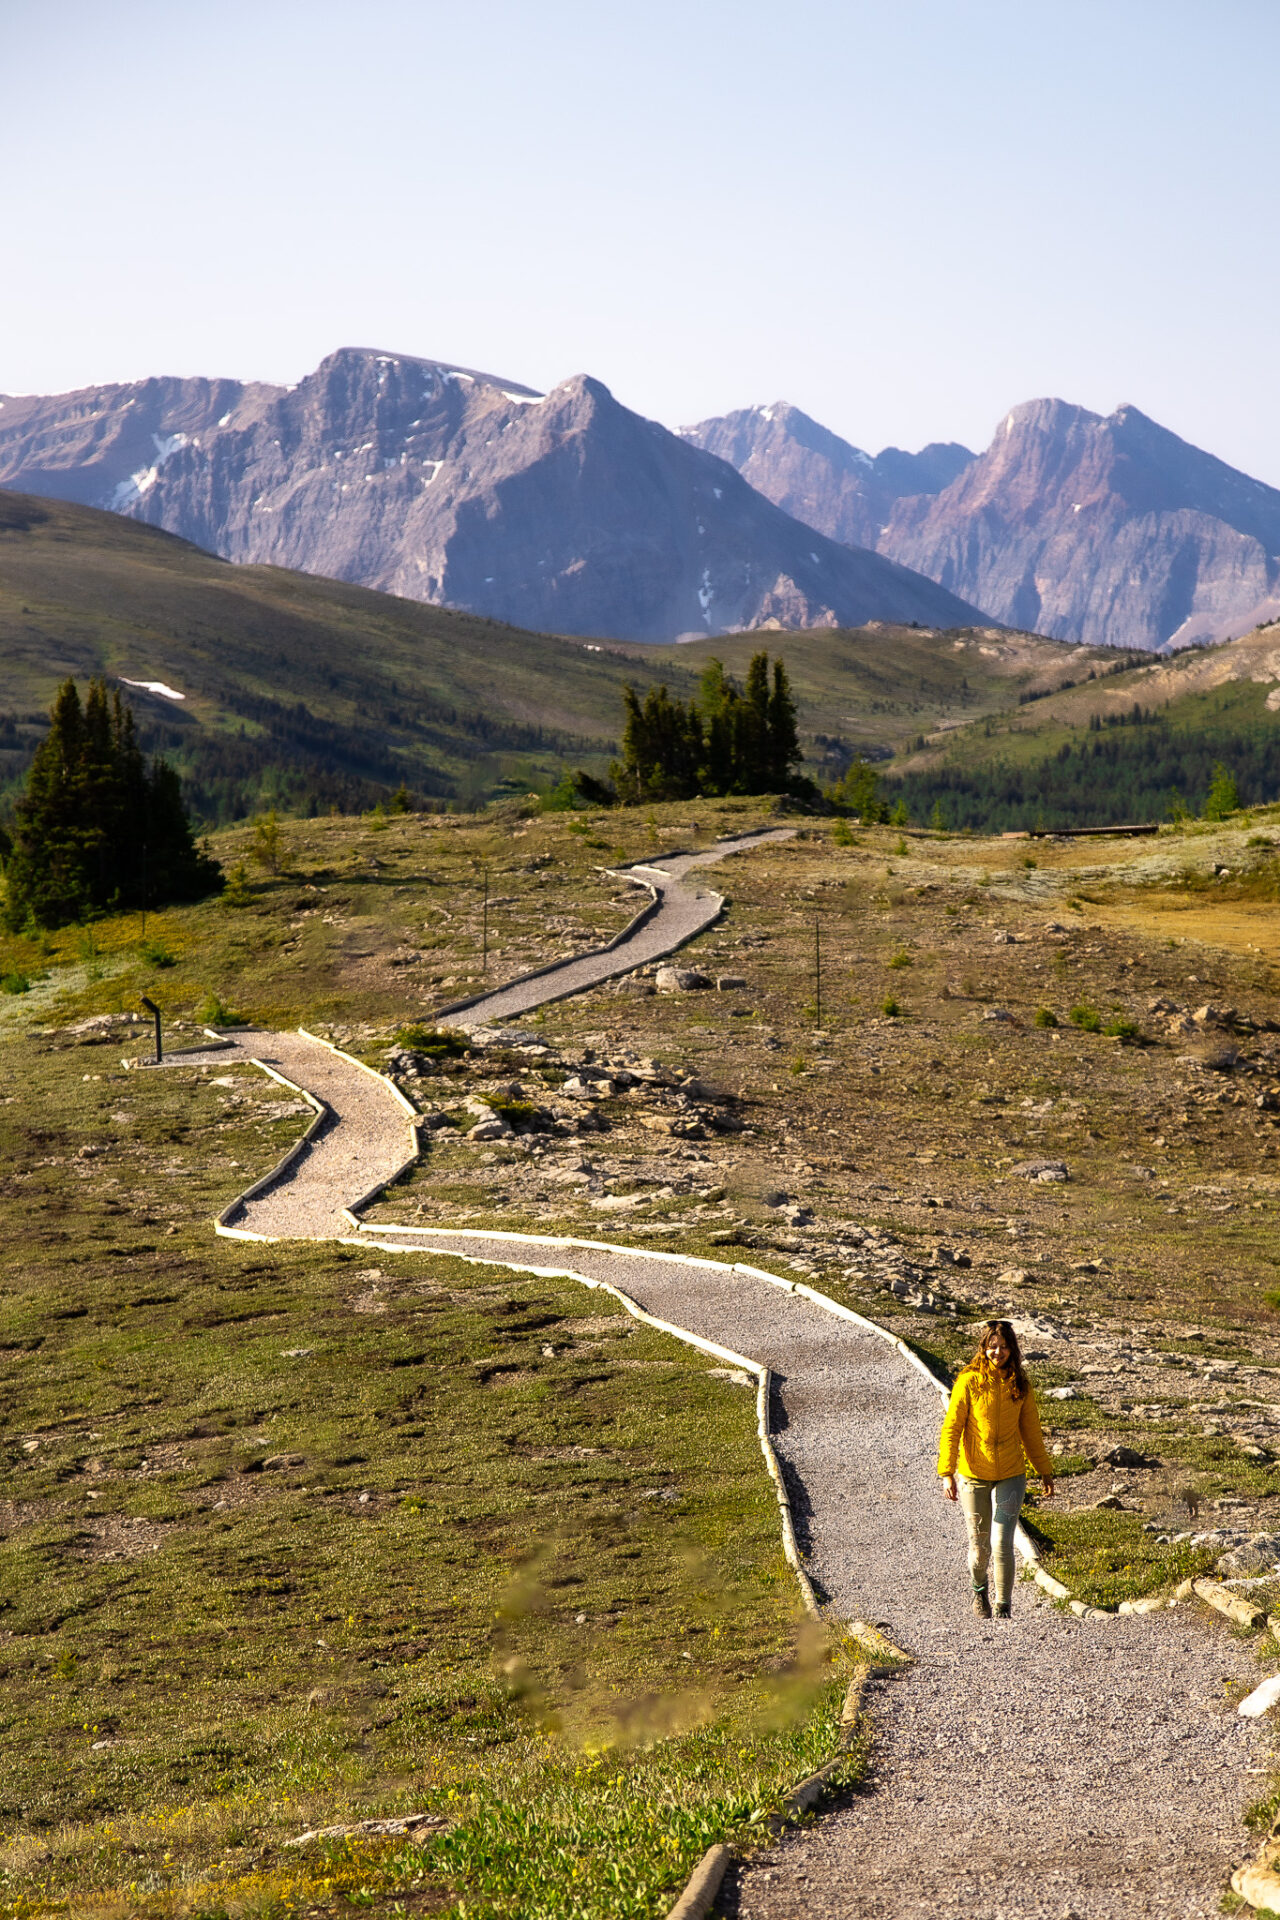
313,691
563,511
1109,530
814,475
1133,745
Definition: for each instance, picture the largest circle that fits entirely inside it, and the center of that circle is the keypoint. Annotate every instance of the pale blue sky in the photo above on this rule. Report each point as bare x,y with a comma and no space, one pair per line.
904,215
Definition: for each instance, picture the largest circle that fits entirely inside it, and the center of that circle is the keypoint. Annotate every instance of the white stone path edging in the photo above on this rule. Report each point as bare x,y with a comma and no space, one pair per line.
1022,1540
762,1375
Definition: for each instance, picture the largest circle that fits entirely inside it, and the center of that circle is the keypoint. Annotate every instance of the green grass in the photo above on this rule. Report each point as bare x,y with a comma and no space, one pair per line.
1105,1557
211,1641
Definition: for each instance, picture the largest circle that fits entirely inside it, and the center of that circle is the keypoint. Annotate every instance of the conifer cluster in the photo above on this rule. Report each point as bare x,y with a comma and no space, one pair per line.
98,829
728,740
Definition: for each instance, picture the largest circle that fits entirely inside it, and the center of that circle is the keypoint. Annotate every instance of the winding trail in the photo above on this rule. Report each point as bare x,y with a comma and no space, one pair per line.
676,914
1045,1768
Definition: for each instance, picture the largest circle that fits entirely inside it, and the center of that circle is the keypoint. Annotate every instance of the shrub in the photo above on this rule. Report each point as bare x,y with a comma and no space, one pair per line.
268,842
15,983
1045,1017
1122,1029
156,954
439,1043
890,1007
900,959
213,1012
1087,1018
842,834
237,892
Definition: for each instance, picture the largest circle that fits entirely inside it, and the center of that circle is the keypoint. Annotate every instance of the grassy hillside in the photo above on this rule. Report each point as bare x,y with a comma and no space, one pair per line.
1135,745
313,693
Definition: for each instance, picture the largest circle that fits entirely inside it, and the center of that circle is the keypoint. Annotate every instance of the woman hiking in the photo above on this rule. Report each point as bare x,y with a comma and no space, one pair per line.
990,1430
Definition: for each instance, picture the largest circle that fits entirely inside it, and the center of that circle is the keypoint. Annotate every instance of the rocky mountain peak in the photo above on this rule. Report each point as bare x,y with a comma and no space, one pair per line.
564,511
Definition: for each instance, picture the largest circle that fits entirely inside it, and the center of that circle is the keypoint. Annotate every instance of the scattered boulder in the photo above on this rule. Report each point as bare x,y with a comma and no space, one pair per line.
998,1013
1015,1277
1260,1554
1044,1170
680,980
414,1825
950,1257
729,983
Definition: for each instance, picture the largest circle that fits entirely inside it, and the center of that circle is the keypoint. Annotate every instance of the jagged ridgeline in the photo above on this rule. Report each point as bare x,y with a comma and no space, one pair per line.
99,828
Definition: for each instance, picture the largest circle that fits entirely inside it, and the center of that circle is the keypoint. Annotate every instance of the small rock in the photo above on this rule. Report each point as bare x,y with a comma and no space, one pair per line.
729,983
1110,1502
280,1462
734,1375
997,1013
1046,1170
1062,1393
495,1128
1129,1457
1260,1554
1014,1277
774,1197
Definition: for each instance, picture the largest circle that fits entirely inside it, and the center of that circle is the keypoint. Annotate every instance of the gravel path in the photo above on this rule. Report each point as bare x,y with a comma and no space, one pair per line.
682,911
1043,1767
365,1142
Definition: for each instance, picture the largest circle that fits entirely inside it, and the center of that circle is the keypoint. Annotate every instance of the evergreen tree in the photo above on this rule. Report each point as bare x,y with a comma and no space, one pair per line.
726,741
97,829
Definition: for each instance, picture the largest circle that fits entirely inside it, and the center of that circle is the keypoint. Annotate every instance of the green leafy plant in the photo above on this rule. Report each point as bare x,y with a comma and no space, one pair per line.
267,849
15,983
238,892
842,834
214,1012
439,1043
1223,798
900,959
1045,1017
890,1007
156,954
1122,1029
1087,1018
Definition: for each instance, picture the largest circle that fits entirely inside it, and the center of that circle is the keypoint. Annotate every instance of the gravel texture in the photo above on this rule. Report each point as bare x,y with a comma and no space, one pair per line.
682,912
367,1140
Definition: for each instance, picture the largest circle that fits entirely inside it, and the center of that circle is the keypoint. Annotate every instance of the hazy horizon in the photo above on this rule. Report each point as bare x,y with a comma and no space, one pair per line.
904,223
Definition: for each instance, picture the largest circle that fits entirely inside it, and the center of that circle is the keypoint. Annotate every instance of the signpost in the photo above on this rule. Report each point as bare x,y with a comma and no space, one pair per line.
152,1008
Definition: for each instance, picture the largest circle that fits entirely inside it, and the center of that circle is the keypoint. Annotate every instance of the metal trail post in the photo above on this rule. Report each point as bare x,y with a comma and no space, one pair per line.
151,1007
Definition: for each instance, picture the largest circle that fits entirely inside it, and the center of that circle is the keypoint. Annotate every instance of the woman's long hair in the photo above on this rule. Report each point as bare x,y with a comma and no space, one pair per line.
1013,1370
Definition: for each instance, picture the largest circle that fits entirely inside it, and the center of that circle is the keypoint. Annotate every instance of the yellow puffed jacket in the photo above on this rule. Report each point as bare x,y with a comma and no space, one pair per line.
986,1432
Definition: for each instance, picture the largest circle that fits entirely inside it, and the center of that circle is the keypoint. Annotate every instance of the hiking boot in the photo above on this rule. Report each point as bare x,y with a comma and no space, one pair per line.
1004,1611
981,1604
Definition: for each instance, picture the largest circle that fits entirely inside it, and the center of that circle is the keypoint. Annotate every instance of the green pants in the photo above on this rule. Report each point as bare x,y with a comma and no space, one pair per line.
991,1509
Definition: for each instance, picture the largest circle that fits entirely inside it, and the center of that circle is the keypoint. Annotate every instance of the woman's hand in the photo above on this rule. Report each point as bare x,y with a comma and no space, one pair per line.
948,1486
1046,1489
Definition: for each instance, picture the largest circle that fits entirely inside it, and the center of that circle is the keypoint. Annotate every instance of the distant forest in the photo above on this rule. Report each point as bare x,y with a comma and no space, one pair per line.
283,755
1138,767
